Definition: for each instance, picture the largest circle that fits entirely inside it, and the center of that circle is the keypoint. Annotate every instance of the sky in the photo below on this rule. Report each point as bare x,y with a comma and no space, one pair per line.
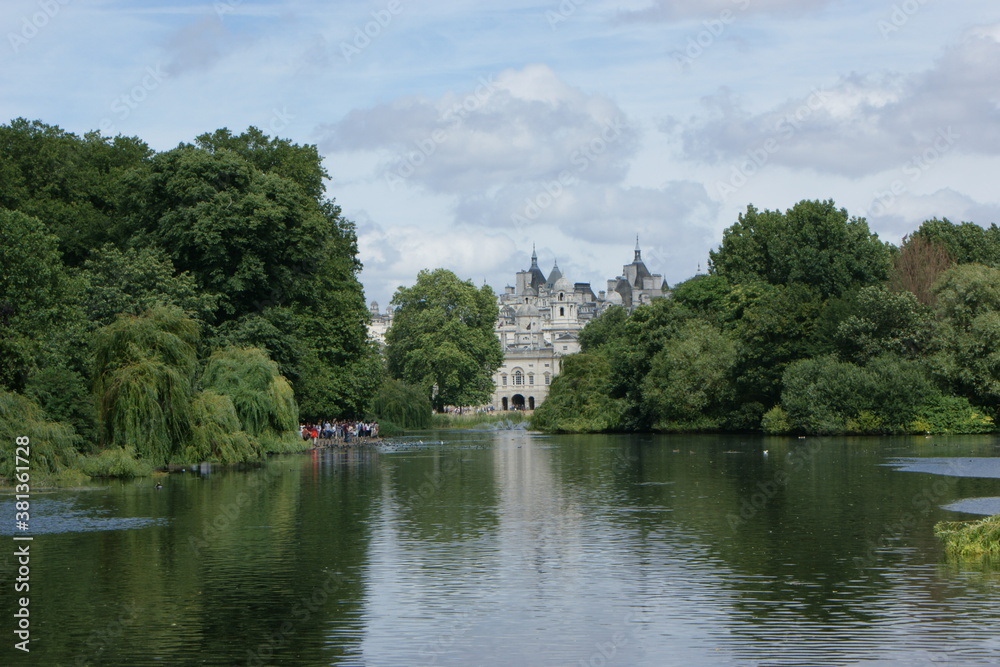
464,134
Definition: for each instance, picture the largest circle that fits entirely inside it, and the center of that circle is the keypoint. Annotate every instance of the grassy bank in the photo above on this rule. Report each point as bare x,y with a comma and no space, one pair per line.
474,420
970,539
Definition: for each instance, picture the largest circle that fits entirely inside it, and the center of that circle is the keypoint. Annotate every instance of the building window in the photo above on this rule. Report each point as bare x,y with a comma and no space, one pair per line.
565,347
503,380
560,296
518,378
562,311
531,378
547,378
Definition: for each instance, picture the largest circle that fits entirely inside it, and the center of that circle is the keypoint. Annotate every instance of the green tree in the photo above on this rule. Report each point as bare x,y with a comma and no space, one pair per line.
73,185
254,238
53,444
301,164
965,242
578,400
132,281
605,329
884,322
707,296
262,399
442,338
401,405
773,327
968,307
144,372
243,215
36,298
813,244
689,383
827,396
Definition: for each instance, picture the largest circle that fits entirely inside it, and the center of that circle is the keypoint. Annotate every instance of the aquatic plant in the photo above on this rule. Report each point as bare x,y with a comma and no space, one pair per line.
970,539
116,462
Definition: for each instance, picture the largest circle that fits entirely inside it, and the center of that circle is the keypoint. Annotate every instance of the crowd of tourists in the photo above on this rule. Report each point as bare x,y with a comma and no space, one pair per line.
339,430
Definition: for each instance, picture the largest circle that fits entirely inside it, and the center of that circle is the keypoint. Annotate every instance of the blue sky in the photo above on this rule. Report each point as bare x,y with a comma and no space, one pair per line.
460,134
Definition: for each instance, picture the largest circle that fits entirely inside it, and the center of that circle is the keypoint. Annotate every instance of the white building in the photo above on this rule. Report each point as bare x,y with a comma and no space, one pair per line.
380,323
541,317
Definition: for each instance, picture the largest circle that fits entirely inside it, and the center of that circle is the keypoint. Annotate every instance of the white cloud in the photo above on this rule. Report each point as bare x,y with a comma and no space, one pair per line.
904,213
521,126
865,123
394,255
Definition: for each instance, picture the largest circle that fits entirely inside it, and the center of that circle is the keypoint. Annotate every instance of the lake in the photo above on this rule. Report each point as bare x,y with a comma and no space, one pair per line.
514,548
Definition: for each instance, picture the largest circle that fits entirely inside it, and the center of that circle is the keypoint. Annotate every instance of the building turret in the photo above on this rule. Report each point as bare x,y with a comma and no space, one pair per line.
554,275
537,278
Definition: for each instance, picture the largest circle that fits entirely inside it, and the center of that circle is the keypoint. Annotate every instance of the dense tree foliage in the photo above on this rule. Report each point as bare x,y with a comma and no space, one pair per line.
813,243
130,277
579,398
807,323
965,242
442,338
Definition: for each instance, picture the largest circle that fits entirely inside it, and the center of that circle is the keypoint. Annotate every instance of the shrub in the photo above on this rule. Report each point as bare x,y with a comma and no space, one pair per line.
951,414
776,422
578,399
116,462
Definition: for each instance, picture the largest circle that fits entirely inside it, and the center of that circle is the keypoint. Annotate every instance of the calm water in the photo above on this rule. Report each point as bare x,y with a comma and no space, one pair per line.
508,548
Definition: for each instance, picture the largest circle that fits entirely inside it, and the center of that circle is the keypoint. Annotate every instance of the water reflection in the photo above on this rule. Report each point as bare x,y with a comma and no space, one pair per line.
511,548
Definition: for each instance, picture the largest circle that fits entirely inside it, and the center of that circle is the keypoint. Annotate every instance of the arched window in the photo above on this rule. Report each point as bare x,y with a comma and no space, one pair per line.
560,296
562,311
518,378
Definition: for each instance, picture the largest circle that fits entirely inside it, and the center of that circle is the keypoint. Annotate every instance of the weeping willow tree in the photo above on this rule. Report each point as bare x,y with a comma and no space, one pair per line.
403,405
216,431
262,399
144,370
52,444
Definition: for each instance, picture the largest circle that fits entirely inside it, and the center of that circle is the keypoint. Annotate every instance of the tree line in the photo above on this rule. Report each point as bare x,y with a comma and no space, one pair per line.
191,304
805,323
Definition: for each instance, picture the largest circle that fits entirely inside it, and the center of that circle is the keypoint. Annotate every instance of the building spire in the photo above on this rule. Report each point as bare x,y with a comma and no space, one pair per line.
638,253
534,255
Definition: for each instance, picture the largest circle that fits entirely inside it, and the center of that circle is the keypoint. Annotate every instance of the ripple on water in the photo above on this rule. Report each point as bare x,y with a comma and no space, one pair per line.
52,516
